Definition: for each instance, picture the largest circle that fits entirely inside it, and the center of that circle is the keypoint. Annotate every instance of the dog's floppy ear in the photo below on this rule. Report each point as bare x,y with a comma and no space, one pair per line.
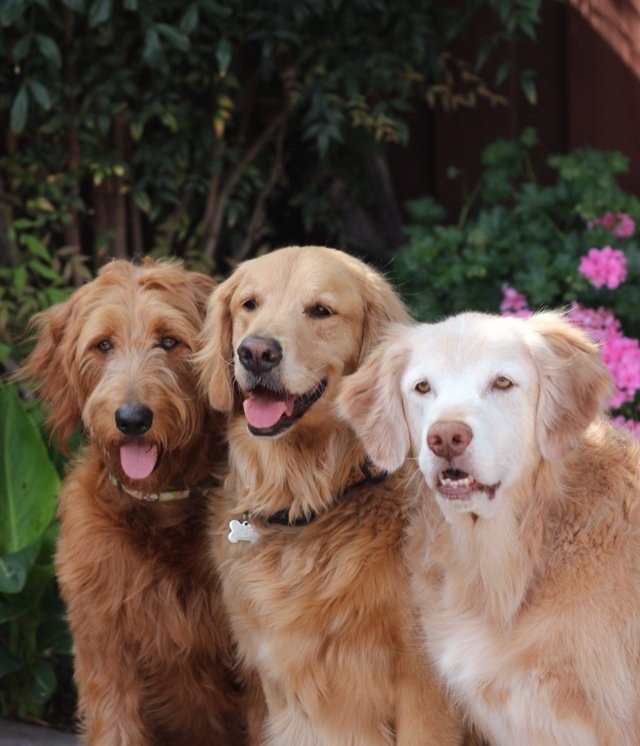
371,401
50,366
382,305
574,382
215,356
200,287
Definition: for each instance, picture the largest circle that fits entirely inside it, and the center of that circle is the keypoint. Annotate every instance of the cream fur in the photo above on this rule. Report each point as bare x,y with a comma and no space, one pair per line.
530,599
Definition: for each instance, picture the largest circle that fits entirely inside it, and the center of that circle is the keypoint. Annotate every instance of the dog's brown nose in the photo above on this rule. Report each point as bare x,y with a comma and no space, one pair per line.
259,354
449,439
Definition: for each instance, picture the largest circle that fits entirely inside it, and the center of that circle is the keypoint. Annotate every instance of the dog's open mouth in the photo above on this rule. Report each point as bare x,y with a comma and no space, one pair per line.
271,413
138,458
458,485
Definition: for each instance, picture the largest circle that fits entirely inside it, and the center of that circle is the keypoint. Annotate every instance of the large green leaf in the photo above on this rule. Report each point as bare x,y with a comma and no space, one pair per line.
14,568
28,481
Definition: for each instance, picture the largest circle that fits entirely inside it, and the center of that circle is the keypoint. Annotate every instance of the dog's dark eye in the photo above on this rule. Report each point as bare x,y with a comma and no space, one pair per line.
423,387
168,343
318,311
104,345
250,304
502,383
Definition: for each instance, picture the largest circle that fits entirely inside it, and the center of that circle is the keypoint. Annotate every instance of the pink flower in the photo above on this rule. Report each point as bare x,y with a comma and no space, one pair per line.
626,226
620,354
618,223
632,425
600,324
514,303
604,267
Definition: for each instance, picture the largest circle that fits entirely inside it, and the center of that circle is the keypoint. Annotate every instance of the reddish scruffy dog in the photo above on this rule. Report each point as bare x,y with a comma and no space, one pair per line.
318,596
152,649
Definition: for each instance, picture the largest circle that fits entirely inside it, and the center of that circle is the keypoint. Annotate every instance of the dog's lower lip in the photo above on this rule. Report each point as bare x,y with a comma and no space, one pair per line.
300,405
456,484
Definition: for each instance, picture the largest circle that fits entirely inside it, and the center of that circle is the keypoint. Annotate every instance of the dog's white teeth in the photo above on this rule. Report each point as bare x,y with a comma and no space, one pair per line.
465,482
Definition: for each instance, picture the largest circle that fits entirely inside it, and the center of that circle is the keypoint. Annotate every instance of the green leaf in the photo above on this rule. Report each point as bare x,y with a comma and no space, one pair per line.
20,277
528,86
44,681
19,110
99,12
35,246
54,636
14,568
22,48
152,53
49,49
44,271
223,55
176,38
29,483
40,94
189,20
8,613
11,10
8,663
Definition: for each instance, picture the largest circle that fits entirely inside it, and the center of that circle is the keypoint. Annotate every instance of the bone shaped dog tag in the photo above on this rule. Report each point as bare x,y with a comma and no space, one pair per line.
242,531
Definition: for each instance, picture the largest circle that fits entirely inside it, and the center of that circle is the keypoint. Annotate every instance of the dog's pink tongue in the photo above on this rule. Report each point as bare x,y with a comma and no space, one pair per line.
138,459
265,411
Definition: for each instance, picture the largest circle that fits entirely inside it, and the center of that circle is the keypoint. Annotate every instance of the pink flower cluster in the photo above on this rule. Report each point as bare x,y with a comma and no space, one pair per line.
604,267
514,303
618,223
620,354
632,425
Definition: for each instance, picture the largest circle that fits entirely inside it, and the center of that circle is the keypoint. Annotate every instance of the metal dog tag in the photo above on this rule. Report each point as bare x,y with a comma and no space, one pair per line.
242,531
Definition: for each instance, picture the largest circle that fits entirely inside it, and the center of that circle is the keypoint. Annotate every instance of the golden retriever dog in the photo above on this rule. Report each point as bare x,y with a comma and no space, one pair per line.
310,541
153,653
528,585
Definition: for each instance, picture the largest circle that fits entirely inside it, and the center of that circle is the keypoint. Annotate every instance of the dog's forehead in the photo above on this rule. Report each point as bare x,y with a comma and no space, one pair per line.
301,277
468,344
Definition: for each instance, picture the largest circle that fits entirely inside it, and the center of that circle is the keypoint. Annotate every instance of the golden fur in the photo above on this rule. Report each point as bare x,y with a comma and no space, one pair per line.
321,610
527,581
152,647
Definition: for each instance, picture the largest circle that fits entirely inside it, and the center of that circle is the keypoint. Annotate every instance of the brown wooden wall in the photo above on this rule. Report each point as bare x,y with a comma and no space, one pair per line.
587,62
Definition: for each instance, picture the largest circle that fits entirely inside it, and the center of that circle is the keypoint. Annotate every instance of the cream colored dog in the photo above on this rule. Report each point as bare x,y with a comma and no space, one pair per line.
529,585
309,539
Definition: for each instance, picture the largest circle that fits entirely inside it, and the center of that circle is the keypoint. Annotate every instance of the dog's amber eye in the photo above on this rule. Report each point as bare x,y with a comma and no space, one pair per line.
423,387
250,304
104,345
502,383
319,311
168,343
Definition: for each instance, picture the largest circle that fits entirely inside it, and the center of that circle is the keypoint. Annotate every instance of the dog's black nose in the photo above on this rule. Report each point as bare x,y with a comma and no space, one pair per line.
133,418
259,354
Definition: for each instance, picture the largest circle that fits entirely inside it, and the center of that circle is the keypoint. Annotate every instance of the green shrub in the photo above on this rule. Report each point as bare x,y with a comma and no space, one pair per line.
517,231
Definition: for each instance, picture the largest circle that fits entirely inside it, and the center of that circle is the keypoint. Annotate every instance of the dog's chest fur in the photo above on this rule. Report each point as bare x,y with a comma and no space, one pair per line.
320,611
550,669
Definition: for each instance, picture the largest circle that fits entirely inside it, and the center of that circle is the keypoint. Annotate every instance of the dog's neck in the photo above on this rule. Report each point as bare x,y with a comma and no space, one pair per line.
302,472
179,473
492,562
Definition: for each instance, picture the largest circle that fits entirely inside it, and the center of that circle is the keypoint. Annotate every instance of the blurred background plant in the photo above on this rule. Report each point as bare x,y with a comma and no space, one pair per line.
35,646
186,128
519,244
